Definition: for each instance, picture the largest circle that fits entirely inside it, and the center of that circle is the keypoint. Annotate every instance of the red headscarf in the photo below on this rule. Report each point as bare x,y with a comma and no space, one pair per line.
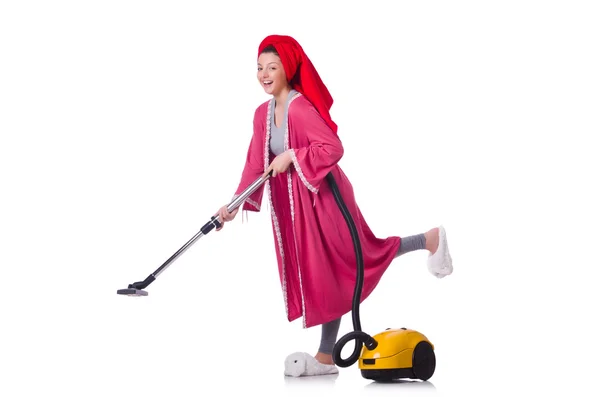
301,74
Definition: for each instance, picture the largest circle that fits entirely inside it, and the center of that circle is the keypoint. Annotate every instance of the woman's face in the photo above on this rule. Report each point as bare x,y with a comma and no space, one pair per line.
270,73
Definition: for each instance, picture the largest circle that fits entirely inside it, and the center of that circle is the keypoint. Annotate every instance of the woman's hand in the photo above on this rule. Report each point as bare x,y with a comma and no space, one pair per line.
225,216
280,164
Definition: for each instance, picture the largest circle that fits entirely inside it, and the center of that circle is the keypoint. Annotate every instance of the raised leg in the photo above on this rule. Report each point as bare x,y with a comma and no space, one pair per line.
439,261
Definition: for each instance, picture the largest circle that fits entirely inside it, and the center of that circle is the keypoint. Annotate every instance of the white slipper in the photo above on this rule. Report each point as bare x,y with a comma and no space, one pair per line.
440,263
303,364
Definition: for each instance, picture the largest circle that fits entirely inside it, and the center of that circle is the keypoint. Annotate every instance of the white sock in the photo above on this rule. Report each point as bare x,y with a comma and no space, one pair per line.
440,263
303,364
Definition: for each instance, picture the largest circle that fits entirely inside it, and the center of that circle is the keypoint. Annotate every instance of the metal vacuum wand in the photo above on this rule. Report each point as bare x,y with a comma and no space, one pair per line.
137,288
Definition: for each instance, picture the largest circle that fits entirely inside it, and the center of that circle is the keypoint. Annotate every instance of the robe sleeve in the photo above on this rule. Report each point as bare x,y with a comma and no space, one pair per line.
323,147
254,166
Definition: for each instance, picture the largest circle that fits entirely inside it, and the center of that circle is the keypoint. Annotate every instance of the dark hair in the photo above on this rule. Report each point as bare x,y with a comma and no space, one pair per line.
269,49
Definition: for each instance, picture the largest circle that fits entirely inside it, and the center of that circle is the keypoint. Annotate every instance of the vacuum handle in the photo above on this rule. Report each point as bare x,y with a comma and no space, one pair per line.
249,190
215,221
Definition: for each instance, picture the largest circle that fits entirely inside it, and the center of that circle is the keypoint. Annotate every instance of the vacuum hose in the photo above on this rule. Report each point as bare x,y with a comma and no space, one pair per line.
358,335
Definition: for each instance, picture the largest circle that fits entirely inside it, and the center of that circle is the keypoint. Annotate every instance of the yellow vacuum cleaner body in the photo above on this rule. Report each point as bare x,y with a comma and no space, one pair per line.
400,354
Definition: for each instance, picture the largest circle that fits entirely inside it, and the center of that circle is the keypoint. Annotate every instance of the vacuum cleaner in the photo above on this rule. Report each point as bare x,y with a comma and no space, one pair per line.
398,353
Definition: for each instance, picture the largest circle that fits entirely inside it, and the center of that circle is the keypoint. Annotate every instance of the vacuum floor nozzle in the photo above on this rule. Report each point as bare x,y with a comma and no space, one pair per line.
132,292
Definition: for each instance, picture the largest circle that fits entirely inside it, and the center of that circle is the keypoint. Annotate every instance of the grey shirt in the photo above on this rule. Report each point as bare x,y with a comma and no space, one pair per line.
276,142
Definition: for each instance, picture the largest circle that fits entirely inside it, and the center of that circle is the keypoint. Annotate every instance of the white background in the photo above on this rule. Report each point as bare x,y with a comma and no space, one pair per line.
124,126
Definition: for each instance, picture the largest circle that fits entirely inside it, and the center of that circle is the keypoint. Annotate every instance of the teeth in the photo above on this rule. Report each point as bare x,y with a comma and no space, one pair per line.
267,82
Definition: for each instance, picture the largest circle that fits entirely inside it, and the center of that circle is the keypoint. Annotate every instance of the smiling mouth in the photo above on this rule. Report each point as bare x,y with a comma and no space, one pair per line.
267,83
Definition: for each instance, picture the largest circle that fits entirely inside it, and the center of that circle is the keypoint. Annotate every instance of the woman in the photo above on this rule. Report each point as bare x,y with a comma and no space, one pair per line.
295,138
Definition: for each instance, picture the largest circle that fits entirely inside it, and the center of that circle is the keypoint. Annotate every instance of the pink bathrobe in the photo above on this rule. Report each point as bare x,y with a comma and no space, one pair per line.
315,252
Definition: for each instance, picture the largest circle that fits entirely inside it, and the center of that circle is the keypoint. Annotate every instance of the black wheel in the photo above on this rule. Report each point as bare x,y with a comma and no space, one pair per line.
423,361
